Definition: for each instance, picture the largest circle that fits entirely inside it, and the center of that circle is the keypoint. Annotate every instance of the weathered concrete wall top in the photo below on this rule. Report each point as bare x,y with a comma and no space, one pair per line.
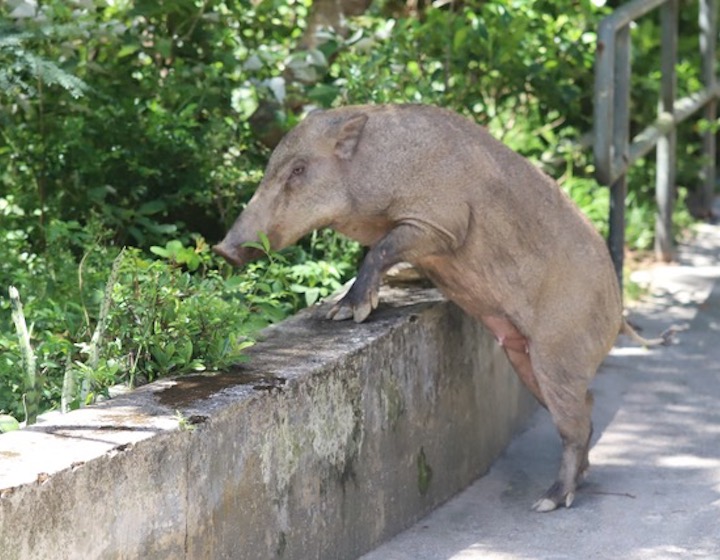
332,438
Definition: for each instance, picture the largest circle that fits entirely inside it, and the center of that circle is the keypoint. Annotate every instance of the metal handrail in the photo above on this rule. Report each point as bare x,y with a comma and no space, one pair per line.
614,151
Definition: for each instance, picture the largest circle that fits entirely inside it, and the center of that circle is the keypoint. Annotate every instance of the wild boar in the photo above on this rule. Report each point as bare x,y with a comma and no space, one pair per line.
497,236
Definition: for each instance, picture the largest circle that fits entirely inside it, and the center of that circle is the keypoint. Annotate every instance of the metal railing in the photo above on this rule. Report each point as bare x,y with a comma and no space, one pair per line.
615,151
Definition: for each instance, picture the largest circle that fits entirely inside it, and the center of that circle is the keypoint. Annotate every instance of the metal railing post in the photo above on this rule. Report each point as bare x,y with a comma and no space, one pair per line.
603,117
614,150
666,144
708,41
620,141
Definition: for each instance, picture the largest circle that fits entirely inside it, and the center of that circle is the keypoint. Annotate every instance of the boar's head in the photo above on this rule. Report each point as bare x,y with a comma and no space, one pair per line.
303,187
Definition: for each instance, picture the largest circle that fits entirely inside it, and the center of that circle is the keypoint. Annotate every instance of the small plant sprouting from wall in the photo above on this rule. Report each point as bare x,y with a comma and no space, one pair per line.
30,396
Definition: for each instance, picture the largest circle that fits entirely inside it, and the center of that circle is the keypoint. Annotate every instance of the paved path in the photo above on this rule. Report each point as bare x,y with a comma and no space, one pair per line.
653,491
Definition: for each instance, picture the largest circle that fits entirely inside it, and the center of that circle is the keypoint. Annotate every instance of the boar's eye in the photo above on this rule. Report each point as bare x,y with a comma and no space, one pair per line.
297,171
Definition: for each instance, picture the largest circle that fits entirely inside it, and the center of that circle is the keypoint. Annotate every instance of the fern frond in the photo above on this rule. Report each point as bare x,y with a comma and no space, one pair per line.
17,62
51,74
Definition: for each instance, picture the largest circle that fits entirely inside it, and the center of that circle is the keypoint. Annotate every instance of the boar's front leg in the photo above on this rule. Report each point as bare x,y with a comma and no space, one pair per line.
405,243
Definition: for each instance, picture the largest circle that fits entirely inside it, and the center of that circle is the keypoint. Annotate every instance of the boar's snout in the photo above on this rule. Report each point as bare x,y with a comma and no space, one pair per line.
237,256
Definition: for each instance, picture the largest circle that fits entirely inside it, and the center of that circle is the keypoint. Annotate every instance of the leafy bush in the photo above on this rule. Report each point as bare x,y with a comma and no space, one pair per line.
98,324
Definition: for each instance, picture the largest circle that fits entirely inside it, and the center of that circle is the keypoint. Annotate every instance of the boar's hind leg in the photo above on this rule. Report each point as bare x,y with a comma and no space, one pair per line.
406,242
570,411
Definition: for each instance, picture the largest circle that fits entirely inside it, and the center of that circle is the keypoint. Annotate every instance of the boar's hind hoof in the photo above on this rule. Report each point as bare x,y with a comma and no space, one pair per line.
554,498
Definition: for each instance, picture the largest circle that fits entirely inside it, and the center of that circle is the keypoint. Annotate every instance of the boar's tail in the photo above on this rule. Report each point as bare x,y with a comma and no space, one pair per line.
664,339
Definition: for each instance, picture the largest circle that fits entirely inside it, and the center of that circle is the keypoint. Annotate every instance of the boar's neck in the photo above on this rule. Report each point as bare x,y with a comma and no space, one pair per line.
363,229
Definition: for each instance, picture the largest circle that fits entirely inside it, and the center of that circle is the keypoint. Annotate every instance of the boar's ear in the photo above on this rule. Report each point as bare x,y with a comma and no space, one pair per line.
349,135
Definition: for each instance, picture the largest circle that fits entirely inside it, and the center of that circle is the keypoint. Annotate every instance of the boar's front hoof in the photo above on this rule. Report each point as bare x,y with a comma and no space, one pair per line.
342,311
353,306
554,498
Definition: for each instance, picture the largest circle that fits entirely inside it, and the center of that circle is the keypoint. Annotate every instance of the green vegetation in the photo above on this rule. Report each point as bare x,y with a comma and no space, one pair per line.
146,125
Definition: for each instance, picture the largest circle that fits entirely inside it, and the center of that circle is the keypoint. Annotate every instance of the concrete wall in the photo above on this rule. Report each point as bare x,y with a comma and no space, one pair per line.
330,439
